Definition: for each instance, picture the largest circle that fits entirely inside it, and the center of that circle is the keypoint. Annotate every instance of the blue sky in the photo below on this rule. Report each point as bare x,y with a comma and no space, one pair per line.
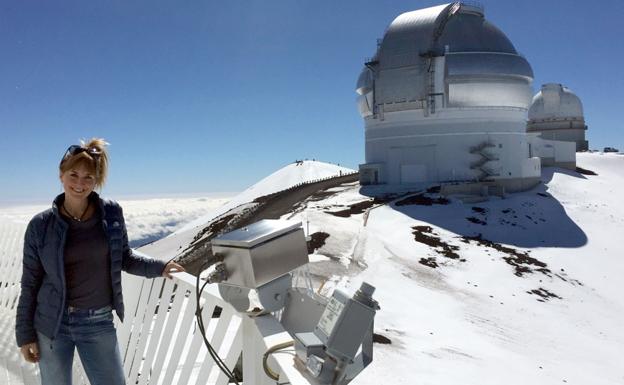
203,96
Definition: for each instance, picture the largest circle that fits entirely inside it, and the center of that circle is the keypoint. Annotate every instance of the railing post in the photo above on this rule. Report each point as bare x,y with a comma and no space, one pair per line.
254,347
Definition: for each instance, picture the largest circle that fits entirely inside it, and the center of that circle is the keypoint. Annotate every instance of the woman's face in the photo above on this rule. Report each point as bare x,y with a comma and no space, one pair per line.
78,182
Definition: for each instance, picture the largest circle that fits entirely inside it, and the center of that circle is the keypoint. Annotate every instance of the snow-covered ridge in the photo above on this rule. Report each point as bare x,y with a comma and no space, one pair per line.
525,289
291,175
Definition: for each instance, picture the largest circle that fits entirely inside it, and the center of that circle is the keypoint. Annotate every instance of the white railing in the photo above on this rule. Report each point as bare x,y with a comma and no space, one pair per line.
161,343
159,339
13,369
11,243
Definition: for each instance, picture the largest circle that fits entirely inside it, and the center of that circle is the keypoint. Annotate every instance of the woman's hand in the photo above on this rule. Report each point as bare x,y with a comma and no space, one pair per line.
30,352
171,267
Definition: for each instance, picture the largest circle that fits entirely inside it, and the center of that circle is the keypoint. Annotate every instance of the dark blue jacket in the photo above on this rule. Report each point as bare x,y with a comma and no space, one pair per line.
42,299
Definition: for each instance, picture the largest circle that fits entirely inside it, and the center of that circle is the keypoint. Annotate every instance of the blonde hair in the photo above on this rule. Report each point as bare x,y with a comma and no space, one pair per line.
94,158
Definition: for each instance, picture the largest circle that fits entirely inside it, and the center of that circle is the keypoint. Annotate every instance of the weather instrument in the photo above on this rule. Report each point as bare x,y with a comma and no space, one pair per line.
332,337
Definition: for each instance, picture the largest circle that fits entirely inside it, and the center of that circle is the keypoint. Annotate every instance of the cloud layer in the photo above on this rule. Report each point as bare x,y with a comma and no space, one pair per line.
146,219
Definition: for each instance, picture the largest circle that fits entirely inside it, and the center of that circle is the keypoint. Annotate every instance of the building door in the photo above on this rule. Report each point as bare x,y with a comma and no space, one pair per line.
413,164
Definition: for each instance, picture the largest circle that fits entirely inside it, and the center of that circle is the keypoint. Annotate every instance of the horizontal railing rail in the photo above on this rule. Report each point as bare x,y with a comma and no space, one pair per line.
159,339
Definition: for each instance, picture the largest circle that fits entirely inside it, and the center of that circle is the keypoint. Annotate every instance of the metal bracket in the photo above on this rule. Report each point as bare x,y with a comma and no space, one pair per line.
272,295
237,296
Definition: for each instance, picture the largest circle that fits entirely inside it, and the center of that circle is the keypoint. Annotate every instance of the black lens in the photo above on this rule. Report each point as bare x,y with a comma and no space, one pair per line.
71,151
75,149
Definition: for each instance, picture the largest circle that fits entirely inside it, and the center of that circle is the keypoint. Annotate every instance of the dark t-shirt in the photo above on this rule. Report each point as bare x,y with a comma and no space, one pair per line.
87,264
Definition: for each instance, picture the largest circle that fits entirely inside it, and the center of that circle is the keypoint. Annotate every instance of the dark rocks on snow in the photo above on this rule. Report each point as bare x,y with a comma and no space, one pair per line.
476,220
321,195
584,171
354,209
425,234
544,294
430,262
317,240
216,226
521,261
480,210
381,339
422,200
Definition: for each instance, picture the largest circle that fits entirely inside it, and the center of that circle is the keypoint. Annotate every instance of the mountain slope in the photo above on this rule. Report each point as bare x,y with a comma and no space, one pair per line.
525,289
288,176
520,290
293,174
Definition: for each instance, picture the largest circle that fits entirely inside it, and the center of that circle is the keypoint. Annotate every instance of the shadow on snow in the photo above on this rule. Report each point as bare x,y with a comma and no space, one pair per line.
528,219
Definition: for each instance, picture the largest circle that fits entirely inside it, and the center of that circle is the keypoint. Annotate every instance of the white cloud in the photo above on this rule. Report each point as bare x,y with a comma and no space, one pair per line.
146,219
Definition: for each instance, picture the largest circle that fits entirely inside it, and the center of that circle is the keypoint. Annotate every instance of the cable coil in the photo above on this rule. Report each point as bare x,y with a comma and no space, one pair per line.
265,365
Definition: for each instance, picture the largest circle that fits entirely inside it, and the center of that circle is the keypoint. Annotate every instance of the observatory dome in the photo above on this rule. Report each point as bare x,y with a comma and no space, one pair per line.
554,101
556,113
445,99
480,65
445,28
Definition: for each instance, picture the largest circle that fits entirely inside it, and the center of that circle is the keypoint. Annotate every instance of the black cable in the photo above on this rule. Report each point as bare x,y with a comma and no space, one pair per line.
222,366
200,323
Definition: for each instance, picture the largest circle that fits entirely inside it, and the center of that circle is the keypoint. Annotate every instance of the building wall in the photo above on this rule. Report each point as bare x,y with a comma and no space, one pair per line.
577,136
439,149
560,124
553,152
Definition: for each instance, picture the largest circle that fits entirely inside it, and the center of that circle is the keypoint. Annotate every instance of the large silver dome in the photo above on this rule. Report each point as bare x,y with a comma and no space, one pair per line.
452,27
445,100
481,65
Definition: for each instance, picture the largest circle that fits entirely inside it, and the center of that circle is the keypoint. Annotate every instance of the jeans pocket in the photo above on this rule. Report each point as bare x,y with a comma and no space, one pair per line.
103,322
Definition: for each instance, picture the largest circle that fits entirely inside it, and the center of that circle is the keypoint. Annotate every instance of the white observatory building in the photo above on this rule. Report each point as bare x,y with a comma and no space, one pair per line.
556,113
445,99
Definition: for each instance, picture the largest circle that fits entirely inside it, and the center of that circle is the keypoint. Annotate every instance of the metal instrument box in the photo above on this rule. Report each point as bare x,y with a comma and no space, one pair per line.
261,252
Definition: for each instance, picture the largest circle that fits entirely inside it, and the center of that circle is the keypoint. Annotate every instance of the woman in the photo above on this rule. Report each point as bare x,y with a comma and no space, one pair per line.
73,257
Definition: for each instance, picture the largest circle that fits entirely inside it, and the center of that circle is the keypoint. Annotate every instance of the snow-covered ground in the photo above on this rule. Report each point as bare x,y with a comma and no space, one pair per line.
541,302
525,289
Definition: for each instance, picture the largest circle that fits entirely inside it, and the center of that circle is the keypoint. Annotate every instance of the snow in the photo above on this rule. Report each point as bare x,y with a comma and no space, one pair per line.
473,322
475,319
288,176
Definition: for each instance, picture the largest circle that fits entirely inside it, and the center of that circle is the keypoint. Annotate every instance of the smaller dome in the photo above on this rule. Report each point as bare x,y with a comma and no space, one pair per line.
555,102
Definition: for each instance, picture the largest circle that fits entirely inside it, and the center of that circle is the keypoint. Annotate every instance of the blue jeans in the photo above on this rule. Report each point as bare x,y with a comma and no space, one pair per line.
91,332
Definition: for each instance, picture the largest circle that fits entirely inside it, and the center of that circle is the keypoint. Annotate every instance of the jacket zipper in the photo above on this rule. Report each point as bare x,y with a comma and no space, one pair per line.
61,266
